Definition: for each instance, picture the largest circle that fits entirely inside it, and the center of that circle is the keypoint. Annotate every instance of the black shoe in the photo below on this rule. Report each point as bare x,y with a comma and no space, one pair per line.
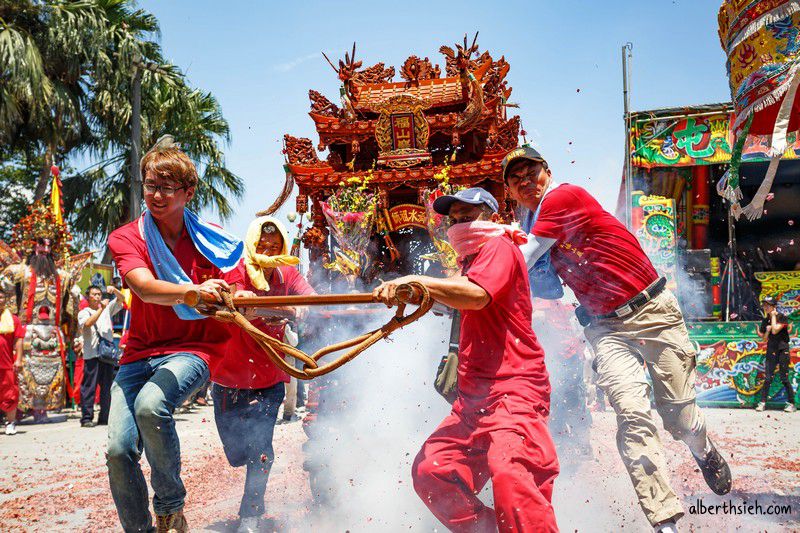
88,424
715,471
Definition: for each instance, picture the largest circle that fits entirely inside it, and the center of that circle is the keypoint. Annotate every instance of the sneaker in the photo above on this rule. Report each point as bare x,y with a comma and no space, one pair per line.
11,428
666,527
715,471
761,406
88,424
249,525
790,408
172,523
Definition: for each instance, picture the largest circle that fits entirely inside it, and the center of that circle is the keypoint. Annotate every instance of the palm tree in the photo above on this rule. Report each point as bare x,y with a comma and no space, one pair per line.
47,51
101,193
65,85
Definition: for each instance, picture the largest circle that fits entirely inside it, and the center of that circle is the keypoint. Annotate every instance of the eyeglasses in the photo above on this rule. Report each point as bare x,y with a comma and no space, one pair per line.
166,190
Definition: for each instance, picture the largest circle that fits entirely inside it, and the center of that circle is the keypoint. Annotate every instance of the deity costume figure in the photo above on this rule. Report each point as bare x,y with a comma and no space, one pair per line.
44,294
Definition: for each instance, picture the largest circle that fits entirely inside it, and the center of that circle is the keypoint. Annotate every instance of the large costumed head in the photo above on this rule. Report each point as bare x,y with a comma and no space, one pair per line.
41,239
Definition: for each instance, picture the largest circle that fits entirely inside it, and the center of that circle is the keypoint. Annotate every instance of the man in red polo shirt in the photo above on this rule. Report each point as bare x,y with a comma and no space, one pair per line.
498,426
248,389
630,317
169,348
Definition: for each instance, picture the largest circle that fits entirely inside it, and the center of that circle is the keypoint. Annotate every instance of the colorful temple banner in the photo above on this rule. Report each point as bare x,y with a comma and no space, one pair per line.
654,226
697,140
784,287
730,364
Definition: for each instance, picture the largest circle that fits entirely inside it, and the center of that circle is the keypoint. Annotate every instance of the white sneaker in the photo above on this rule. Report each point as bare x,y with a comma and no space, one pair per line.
790,408
249,525
666,527
11,428
761,406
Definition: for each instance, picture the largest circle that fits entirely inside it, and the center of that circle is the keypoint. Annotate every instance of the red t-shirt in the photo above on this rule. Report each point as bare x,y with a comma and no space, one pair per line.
7,355
156,329
600,260
245,365
499,355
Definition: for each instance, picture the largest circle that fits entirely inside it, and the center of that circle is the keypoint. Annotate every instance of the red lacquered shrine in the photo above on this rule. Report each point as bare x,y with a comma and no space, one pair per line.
405,132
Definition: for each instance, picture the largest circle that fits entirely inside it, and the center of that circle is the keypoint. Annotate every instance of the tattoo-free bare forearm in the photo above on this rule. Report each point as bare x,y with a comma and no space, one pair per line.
155,291
457,292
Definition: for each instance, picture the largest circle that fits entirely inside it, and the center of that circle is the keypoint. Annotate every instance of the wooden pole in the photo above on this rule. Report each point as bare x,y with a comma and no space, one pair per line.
405,293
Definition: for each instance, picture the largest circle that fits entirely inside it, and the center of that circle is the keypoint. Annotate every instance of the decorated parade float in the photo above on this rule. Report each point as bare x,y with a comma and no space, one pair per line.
392,146
691,169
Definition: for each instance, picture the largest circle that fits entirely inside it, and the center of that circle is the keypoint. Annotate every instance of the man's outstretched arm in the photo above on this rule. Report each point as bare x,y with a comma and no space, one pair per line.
457,292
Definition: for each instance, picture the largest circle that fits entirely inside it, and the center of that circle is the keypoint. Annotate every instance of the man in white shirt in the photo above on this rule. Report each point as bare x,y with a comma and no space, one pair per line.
95,321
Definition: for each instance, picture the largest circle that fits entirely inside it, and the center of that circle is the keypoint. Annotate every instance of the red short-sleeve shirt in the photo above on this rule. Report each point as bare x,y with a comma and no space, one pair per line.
156,329
600,260
7,355
245,365
499,355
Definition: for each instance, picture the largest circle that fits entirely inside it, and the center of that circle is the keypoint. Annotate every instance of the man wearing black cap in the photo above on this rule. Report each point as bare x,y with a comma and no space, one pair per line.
498,426
775,329
629,317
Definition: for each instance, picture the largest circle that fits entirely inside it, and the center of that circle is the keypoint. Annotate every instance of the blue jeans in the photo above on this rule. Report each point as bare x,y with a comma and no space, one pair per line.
143,397
246,421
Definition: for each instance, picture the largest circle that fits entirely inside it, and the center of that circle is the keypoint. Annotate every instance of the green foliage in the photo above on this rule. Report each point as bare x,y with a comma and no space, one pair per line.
65,89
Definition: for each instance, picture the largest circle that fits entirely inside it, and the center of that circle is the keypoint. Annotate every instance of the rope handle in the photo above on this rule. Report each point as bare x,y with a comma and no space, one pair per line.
414,293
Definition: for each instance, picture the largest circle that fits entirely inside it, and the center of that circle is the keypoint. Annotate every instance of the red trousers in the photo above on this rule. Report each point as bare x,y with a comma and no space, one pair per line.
510,446
9,390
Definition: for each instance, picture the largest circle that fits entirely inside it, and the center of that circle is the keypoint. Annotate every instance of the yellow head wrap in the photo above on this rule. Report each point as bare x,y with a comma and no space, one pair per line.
6,322
254,262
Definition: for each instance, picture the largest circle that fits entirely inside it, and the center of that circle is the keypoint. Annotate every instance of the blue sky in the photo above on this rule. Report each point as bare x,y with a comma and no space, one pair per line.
261,58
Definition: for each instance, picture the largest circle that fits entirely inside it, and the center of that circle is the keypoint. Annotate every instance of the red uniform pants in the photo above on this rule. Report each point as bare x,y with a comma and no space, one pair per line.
9,390
512,447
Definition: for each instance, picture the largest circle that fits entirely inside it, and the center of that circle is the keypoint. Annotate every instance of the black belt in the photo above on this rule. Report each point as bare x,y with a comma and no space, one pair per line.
638,301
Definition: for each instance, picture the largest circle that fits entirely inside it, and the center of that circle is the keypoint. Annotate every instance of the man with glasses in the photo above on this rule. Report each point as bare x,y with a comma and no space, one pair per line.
498,426
161,256
629,317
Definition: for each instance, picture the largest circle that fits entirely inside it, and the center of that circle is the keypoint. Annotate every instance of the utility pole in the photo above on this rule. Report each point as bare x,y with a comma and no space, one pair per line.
135,197
627,55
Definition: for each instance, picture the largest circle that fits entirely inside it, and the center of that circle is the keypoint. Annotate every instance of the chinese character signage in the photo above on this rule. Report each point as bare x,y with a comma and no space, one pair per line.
405,215
402,132
696,140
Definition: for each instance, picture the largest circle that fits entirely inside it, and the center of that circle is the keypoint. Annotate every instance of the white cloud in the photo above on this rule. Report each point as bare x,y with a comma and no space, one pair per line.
289,65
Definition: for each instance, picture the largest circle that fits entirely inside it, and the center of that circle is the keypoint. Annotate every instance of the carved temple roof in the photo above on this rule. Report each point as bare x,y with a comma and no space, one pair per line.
436,93
324,176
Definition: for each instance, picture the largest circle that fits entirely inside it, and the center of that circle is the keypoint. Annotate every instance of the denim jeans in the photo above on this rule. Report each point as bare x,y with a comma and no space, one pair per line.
143,398
246,421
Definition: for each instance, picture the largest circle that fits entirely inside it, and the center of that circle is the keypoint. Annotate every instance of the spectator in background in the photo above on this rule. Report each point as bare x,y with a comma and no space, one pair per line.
775,329
95,322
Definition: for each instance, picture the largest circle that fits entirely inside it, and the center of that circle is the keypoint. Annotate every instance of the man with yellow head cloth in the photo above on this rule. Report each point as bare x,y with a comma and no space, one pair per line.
248,388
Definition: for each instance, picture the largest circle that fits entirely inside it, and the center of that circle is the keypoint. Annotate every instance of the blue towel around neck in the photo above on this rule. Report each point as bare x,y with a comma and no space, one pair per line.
545,283
221,248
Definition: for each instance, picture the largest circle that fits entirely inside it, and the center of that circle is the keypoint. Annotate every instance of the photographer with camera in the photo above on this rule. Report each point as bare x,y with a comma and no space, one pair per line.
100,355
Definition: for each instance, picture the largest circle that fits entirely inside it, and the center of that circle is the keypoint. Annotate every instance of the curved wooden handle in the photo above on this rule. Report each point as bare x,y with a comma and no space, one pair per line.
409,294
196,297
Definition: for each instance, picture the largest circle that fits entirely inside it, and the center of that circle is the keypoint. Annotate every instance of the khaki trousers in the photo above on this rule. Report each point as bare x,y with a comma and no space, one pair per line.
657,336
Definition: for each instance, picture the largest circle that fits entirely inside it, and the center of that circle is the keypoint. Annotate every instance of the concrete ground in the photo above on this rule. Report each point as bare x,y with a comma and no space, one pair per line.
53,478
